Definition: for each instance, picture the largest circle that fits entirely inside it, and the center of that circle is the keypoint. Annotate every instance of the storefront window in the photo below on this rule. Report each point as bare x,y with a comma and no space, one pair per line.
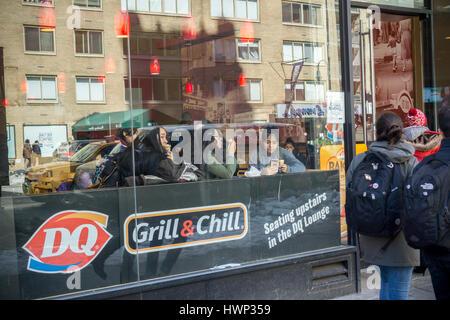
153,138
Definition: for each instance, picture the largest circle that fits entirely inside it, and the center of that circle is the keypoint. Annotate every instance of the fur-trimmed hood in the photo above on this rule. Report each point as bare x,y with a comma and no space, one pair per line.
427,141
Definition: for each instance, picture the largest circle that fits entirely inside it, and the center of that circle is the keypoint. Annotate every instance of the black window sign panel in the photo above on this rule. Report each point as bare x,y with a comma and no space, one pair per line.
156,231
72,242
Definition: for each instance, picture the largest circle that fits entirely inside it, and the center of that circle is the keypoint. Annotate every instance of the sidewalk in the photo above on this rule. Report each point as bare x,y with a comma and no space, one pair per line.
421,287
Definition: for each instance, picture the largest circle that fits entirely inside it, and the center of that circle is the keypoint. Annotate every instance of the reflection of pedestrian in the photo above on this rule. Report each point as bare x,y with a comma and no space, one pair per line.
27,153
405,31
36,154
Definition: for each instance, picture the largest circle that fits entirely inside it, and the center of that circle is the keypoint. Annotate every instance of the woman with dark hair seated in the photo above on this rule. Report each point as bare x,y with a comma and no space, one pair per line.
219,161
155,158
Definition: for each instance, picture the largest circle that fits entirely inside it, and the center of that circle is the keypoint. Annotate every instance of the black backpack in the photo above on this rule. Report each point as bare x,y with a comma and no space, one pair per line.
426,220
374,197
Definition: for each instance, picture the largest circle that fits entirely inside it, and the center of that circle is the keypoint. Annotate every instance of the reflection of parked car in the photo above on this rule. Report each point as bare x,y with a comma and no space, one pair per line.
66,150
48,177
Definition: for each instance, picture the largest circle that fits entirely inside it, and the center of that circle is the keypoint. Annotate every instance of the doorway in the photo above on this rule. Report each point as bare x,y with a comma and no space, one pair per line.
387,73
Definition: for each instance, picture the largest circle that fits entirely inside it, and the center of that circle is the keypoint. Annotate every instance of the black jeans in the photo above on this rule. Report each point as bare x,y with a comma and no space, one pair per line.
440,274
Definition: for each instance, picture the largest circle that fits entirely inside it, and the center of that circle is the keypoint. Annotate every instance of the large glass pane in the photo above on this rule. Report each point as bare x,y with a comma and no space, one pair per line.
95,42
252,9
228,8
185,212
241,9
287,12
307,17
82,89
296,13
97,89
31,39
287,51
48,88
216,8
318,54
243,51
255,90
155,5
33,88
183,6
309,52
81,41
170,6
254,50
143,5
94,3
300,91
298,51
317,15
46,40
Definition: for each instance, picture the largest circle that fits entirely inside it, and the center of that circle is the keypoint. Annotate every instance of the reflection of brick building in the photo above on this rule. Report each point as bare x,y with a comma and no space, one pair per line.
86,66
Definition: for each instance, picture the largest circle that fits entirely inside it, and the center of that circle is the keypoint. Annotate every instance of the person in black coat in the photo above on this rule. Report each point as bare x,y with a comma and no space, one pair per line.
437,259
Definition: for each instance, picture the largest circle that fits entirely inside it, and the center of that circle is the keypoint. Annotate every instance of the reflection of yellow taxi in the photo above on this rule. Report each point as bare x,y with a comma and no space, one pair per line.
48,177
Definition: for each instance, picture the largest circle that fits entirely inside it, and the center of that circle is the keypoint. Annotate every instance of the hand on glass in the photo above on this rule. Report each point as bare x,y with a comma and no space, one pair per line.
284,168
169,155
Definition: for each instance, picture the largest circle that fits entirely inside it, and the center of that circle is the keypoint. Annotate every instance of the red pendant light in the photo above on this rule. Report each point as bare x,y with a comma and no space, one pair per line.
154,66
247,32
47,18
122,24
189,29
189,87
242,80
5,103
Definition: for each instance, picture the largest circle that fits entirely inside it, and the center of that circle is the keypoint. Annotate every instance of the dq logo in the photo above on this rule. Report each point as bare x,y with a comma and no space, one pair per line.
67,242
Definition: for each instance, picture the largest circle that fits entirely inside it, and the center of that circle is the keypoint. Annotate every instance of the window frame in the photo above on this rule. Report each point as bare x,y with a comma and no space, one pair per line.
235,11
138,55
41,100
90,101
26,3
238,41
39,52
303,43
261,91
88,35
304,83
302,23
154,101
163,6
87,7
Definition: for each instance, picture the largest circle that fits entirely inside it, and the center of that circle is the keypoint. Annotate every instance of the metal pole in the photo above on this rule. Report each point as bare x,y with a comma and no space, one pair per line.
132,130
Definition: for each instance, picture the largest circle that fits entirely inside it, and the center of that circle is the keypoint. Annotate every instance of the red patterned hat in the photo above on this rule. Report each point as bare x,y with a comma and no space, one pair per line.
416,118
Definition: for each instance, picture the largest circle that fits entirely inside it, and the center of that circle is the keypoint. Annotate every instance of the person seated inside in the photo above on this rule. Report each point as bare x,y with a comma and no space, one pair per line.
274,159
289,145
220,161
155,158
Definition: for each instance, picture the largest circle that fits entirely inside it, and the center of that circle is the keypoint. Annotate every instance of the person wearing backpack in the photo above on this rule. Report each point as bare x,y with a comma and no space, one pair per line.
427,218
425,142
388,162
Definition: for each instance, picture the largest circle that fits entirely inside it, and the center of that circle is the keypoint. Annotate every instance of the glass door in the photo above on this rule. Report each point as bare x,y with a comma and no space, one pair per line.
363,76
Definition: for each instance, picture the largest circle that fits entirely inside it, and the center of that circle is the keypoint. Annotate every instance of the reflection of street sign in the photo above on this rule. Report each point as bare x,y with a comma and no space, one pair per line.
194,103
